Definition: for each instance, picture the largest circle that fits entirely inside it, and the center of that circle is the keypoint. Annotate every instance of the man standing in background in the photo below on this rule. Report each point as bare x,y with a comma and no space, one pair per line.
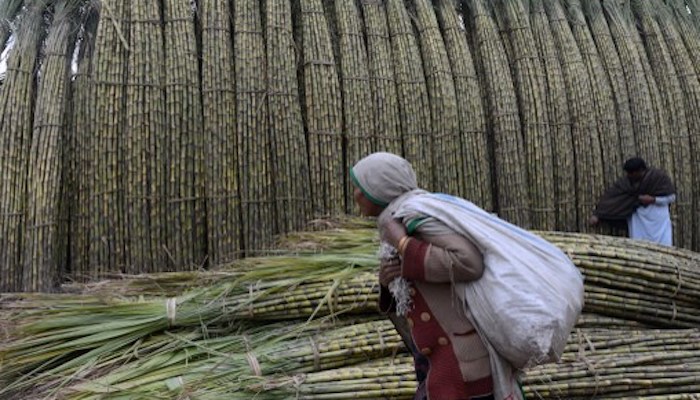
641,198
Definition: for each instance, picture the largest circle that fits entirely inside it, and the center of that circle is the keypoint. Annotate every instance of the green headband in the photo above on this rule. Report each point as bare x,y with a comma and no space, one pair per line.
366,193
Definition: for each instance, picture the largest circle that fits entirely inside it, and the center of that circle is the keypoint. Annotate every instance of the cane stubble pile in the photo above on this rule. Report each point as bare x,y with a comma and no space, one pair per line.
247,331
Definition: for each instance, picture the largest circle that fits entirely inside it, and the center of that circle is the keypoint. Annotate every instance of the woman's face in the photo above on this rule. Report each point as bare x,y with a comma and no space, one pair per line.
367,208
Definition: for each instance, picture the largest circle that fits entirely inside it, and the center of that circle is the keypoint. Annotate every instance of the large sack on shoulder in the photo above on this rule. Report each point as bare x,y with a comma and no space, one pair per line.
530,295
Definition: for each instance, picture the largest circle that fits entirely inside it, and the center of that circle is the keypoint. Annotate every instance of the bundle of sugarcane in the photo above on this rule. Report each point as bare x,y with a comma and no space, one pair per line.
144,143
79,155
16,106
330,240
381,75
392,377
603,104
588,320
301,253
67,330
255,185
100,114
505,129
641,105
608,262
662,135
185,238
595,363
610,59
632,280
186,361
472,116
358,113
587,156
293,203
684,58
672,93
411,87
168,351
45,246
636,280
219,101
322,109
559,119
297,300
447,154
621,364
530,88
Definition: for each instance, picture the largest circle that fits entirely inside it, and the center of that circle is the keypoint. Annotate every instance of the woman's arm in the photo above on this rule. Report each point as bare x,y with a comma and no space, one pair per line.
441,259
436,258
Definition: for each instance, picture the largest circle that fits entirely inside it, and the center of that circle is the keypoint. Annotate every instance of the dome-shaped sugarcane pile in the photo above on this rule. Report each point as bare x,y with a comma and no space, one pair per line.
151,136
304,324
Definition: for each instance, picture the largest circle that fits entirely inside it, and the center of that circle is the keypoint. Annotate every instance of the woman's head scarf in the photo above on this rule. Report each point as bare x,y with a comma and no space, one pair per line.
383,177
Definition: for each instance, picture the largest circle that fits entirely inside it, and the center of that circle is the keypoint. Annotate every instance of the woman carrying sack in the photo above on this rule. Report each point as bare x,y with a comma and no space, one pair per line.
451,285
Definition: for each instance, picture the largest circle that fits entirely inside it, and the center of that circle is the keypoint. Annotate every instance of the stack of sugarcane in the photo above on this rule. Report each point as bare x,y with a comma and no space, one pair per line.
219,100
601,93
358,113
558,115
447,154
16,125
605,363
640,102
254,157
322,98
185,237
79,150
44,247
671,90
291,186
530,89
63,332
414,107
381,75
586,144
473,137
166,364
684,58
635,280
99,225
661,137
502,110
277,326
144,144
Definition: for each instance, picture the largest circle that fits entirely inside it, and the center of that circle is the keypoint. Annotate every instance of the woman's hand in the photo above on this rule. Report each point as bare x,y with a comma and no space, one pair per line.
391,231
388,270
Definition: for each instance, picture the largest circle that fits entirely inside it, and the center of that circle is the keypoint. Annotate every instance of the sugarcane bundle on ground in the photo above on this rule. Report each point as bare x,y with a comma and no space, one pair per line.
170,363
624,278
621,364
635,279
56,334
605,363
63,330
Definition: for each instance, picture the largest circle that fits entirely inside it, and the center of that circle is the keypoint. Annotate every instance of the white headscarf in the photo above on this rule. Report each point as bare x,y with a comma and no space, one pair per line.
383,177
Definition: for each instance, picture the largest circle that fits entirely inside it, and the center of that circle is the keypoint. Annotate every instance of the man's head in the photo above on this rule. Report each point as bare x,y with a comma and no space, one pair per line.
635,168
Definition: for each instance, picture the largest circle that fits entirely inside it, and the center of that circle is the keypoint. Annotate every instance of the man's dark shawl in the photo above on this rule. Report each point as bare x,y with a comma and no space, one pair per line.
622,199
